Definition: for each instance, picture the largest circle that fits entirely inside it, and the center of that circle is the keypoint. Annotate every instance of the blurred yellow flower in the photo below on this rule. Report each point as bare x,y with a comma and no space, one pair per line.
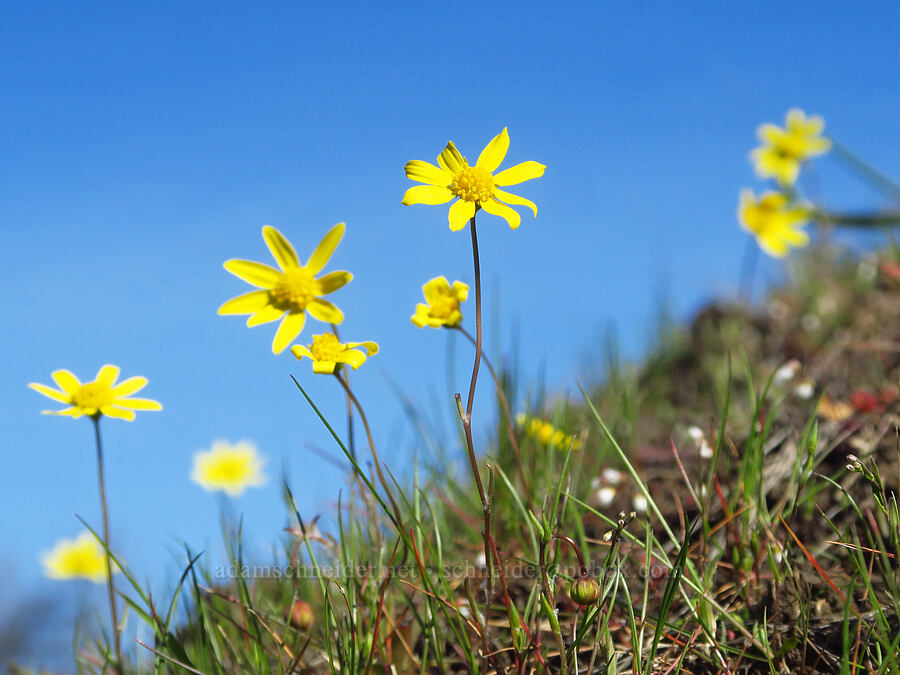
784,150
79,558
227,467
546,433
443,304
327,353
100,397
773,221
290,292
476,186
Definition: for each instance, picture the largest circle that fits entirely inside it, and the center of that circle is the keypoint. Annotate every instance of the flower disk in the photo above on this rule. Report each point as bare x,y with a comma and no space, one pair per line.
784,150
79,558
100,397
231,468
773,221
289,293
327,353
476,187
443,308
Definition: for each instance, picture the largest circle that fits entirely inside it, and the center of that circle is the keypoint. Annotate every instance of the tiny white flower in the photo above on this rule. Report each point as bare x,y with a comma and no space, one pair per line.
639,503
480,560
612,476
706,451
804,389
787,371
605,495
695,433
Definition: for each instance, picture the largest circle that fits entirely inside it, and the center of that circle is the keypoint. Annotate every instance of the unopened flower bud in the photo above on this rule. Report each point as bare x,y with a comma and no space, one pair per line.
301,615
585,591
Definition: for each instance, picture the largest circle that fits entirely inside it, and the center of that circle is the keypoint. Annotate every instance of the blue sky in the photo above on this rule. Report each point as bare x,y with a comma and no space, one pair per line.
143,145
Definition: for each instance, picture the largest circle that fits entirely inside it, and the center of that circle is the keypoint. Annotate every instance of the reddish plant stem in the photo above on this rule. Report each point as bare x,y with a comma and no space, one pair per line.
504,403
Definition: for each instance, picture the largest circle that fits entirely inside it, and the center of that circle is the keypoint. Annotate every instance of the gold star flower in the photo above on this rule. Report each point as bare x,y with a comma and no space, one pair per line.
443,308
227,467
290,292
100,397
784,150
476,186
773,221
327,353
79,558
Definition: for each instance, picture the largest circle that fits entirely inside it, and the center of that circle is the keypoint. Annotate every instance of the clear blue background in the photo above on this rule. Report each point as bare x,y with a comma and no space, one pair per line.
143,144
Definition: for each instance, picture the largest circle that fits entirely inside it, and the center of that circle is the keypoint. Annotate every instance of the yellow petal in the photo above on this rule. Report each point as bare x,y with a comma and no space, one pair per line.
325,311
324,367
494,152
519,173
516,200
280,247
107,375
352,358
266,315
422,317
290,328
49,392
370,347
435,289
138,403
325,249
68,412
299,351
66,381
423,172
253,272
427,194
129,386
460,290
461,213
121,413
248,303
450,159
332,281
502,210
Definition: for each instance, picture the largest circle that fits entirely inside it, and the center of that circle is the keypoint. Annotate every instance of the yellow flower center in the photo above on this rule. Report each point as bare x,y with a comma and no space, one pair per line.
444,306
325,347
295,289
230,469
92,396
473,184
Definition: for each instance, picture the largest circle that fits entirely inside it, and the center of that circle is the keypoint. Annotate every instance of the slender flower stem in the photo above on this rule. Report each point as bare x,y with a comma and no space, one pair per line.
466,418
506,411
365,422
110,587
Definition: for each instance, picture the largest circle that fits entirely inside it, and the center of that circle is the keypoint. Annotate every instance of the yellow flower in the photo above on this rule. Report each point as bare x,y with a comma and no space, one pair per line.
476,186
443,304
79,558
773,221
327,353
232,468
783,150
100,397
290,292
546,433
